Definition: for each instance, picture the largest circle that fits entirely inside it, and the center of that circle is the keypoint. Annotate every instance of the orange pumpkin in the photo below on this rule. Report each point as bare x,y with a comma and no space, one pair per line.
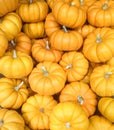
11,25
106,107
66,40
36,111
22,43
68,115
98,46
102,80
16,64
68,14
7,6
13,93
47,78
34,11
80,93
41,51
34,30
75,65
3,43
11,120
100,13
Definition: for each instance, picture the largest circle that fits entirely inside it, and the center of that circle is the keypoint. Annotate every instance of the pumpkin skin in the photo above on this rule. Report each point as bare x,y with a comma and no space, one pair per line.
47,78
7,6
38,8
66,40
68,14
102,80
75,65
11,25
36,111
80,93
106,107
22,43
99,123
100,14
68,115
11,120
13,93
41,51
96,47
51,24
3,43
16,64
111,61
34,30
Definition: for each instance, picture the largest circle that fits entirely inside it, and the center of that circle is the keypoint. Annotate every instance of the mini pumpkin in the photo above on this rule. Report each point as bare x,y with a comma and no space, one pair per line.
68,115
98,45
47,78
16,64
34,30
102,80
36,111
106,106
68,14
11,120
100,122
13,93
75,65
81,93
11,25
41,51
34,11
66,40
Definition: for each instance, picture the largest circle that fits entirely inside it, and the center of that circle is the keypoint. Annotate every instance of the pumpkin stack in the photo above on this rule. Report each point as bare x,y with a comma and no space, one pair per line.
56,64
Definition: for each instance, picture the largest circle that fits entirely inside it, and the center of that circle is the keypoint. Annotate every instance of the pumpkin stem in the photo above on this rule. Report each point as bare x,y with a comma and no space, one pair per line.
65,29
45,72
41,110
47,45
18,86
107,75
99,39
30,1
72,3
14,54
1,123
80,99
105,5
13,43
81,2
67,125
69,66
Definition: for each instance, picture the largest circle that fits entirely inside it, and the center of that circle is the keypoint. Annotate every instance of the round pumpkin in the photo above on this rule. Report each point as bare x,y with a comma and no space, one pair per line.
101,13
22,43
100,123
7,6
102,80
68,115
81,93
13,93
68,14
41,51
34,11
98,46
34,30
11,25
51,24
75,65
11,120
47,78
66,40
3,43
36,111
16,64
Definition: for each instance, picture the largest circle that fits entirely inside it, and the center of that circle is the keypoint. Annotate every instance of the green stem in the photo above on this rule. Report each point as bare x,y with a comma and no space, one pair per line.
13,43
105,5
19,86
80,99
65,29
107,75
1,123
81,2
47,45
14,54
99,39
45,72
30,1
69,66
67,125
